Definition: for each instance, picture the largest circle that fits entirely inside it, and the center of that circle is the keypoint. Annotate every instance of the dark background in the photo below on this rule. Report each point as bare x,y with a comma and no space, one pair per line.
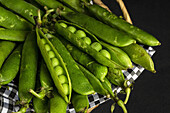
151,93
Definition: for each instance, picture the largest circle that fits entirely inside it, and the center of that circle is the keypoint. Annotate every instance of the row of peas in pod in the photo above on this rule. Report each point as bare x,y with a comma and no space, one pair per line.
83,48
81,34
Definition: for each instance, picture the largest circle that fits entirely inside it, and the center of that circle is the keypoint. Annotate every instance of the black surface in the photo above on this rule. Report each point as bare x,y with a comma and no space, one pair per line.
151,92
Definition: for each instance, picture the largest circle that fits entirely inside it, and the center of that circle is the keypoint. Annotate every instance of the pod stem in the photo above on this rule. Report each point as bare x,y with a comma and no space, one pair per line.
127,91
121,104
40,95
23,109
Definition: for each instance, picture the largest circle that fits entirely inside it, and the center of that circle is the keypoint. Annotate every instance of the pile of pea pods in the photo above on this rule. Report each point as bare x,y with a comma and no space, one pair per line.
65,50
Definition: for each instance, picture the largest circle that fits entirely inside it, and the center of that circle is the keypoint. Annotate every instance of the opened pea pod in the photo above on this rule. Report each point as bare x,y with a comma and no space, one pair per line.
55,64
82,39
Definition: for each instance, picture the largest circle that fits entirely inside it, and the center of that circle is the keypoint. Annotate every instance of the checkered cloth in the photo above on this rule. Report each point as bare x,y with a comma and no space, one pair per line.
9,94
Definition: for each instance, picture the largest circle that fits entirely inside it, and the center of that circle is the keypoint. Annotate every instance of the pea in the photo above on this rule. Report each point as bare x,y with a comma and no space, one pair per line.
59,70
80,33
51,54
62,79
63,25
66,89
87,40
71,29
43,41
97,46
105,53
47,47
55,62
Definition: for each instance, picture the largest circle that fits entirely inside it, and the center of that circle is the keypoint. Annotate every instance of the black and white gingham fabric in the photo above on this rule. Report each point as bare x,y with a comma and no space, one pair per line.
9,93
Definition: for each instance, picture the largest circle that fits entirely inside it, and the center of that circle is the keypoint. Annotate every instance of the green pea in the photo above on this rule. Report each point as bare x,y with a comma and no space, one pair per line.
62,79
97,46
59,70
51,54
87,40
80,33
63,25
47,47
66,89
43,41
71,29
105,53
55,62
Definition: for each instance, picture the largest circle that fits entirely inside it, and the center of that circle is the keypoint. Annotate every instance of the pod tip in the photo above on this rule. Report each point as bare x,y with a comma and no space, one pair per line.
154,71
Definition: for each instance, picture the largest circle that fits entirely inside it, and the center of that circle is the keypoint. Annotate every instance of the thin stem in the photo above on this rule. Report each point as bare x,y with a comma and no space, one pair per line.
124,10
40,95
127,90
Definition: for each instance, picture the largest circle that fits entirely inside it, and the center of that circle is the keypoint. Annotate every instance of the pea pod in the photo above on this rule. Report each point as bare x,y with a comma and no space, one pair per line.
98,87
101,30
46,83
28,70
85,47
6,48
57,103
49,53
140,56
10,20
25,9
80,103
114,21
11,66
80,83
53,4
13,35
40,106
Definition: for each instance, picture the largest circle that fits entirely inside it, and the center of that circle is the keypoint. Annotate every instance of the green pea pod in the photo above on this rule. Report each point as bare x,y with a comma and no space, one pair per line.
57,103
114,21
87,61
101,30
25,9
28,70
80,102
55,70
140,56
118,55
40,106
11,66
10,20
98,87
6,48
53,4
80,83
85,47
73,4
45,82
13,35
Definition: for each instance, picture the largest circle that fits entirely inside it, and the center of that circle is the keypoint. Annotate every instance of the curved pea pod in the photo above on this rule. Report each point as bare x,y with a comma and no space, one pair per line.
57,103
81,44
118,55
23,8
28,70
53,4
6,48
11,66
97,86
49,53
87,61
40,106
139,56
99,29
13,35
80,102
79,82
46,83
116,22
10,20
